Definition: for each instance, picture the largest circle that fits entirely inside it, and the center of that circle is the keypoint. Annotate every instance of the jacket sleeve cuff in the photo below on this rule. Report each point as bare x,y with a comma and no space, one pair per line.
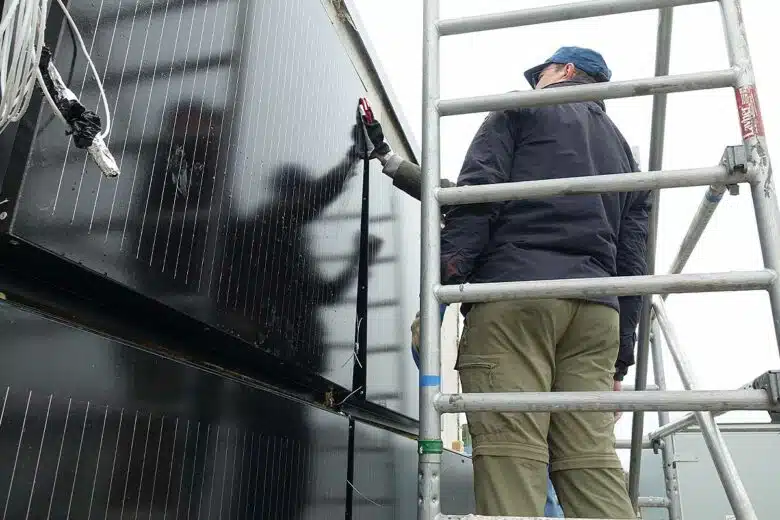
391,162
621,369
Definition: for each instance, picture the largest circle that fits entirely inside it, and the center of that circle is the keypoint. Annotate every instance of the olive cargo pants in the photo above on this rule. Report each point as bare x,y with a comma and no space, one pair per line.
540,346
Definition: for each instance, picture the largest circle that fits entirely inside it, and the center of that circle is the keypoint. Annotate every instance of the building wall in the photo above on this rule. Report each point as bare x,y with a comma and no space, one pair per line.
755,449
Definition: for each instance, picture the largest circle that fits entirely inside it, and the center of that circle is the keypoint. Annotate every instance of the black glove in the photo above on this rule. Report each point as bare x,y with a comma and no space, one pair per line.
373,129
377,137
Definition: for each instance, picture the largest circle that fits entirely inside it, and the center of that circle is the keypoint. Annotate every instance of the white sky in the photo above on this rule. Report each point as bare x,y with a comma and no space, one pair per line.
728,337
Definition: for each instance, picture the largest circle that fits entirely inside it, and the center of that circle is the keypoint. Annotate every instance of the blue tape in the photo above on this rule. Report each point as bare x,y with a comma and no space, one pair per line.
713,197
429,380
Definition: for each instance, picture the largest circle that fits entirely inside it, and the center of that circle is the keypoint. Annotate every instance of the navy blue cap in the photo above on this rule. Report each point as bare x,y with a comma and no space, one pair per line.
586,60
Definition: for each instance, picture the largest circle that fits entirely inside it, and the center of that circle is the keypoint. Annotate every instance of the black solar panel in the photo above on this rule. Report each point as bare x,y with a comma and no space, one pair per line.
87,431
238,200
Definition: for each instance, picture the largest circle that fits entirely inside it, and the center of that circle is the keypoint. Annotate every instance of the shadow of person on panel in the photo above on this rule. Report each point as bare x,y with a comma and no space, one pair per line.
260,281
279,284
292,287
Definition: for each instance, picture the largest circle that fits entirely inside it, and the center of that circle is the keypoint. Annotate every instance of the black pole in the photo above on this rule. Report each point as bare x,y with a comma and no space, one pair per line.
361,329
350,470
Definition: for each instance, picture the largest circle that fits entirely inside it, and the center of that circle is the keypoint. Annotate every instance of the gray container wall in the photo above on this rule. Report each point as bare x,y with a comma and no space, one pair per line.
756,452
231,123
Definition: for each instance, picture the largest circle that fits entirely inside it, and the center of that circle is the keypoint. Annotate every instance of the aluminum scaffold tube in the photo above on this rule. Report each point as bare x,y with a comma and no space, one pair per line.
724,464
611,183
704,213
707,207
625,444
683,422
678,425
667,445
429,442
672,401
659,502
657,133
554,13
762,187
585,288
589,92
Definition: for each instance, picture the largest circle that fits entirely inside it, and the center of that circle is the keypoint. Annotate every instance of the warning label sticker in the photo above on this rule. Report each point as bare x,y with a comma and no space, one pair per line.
749,112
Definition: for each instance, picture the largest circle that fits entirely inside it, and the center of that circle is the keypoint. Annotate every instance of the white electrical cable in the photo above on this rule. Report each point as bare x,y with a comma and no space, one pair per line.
20,56
21,43
105,132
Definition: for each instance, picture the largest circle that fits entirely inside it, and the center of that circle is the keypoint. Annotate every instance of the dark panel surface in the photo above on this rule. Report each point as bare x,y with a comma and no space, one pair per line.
238,201
91,428
385,480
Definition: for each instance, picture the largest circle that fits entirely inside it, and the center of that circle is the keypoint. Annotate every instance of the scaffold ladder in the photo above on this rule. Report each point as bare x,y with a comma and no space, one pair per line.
748,163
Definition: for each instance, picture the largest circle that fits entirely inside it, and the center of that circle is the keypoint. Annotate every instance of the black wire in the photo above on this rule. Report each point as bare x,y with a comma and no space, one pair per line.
70,72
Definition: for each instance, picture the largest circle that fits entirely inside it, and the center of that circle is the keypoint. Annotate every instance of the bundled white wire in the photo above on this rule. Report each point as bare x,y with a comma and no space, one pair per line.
20,55
107,129
21,42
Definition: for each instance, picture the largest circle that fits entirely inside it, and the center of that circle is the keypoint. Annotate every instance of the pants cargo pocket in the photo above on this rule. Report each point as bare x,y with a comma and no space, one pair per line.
477,375
498,433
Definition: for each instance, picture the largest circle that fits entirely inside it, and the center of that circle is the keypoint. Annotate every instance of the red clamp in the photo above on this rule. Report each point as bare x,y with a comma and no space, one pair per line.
365,111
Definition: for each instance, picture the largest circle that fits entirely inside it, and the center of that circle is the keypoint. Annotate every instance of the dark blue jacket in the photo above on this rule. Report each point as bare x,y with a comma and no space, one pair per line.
574,236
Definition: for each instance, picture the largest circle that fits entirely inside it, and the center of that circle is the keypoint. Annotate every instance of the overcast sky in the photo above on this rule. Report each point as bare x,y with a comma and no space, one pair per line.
728,337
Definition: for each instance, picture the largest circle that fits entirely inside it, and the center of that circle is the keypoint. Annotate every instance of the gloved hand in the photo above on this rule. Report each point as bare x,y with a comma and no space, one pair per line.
416,333
374,131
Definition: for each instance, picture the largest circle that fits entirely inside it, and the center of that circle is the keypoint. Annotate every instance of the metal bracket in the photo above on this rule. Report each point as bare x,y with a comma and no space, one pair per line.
683,458
657,444
735,159
770,381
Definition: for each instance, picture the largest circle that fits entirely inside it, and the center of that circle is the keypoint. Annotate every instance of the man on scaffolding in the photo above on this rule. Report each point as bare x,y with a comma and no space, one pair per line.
550,344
